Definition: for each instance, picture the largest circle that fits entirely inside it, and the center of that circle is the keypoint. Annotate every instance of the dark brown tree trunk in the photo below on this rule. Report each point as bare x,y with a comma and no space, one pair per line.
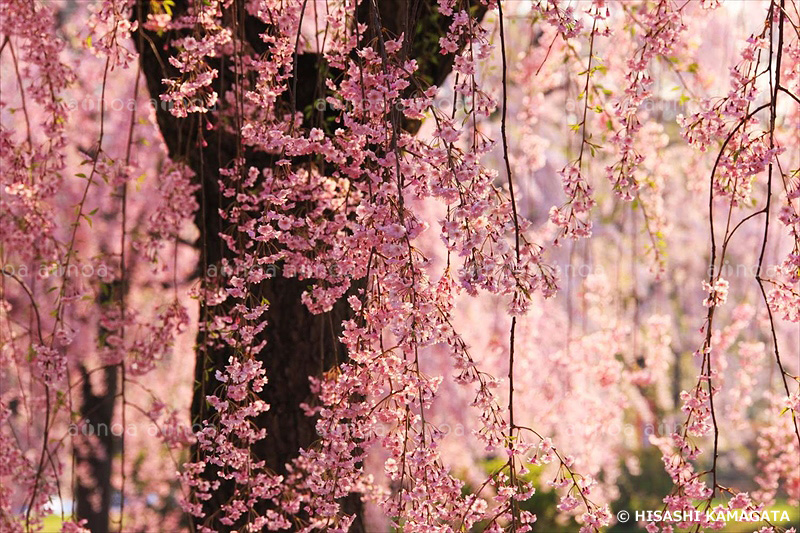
299,343
95,450
95,440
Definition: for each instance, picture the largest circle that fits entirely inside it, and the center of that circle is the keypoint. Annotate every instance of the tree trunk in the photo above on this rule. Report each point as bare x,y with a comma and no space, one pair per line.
95,442
299,343
94,451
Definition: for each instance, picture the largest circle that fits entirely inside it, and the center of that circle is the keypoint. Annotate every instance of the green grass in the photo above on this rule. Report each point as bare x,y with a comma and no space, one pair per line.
52,523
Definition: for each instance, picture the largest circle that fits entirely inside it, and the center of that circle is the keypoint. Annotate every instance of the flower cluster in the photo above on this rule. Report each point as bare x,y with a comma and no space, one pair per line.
193,91
784,298
227,447
176,205
572,218
663,31
717,292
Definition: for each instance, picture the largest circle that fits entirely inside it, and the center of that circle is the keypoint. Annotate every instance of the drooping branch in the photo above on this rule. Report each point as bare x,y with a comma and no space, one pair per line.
299,343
